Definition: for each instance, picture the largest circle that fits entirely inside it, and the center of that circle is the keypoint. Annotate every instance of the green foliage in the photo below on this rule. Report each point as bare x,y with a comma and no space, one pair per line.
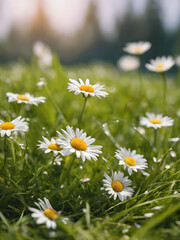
113,122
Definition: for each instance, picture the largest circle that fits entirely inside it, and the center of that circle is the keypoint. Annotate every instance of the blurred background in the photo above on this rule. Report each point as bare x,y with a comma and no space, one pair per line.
88,30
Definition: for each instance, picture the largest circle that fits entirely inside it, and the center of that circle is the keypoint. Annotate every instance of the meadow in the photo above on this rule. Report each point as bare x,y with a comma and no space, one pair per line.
87,212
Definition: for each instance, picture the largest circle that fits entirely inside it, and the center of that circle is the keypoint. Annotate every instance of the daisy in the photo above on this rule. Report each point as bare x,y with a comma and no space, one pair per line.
160,64
137,48
131,160
25,98
45,213
78,142
156,121
42,82
43,53
50,146
17,125
86,88
117,186
128,63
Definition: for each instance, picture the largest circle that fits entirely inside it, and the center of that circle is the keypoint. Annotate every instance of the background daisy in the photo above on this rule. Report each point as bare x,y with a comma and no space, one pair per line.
128,63
118,186
17,125
25,98
43,53
50,146
78,142
160,64
131,160
86,88
156,121
137,48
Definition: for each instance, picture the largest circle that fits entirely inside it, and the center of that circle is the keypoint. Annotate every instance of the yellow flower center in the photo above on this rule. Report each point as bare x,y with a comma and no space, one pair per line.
159,67
130,161
155,121
86,88
23,98
50,213
7,125
78,144
137,49
55,147
117,186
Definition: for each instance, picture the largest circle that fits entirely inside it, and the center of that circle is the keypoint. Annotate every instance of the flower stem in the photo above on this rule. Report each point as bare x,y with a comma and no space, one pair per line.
82,113
165,89
5,152
66,170
155,139
13,151
55,105
140,81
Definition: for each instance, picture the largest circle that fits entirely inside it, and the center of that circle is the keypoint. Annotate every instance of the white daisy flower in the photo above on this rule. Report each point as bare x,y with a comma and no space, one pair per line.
156,121
45,213
160,64
50,146
25,98
85,179
128,63
117,186
177,61
43,53
78,142
131,160
15,126
86,88
137,48
42,82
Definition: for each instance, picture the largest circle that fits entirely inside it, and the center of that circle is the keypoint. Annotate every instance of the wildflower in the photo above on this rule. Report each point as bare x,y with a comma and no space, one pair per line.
156,121
17,125
131,160
128,63
25,98
160,64
78,142
148,215
117,186
137,48
43,53
50,146
85,179
86,88
42,82
45,213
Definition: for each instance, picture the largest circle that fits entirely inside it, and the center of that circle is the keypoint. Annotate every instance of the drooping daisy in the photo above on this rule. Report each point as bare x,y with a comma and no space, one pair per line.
86,88
160,64
42,82
78,142
137,48
156,121
15,126
118,186
50,146
45,213
131,160
128,63
43,53
25,98
177,61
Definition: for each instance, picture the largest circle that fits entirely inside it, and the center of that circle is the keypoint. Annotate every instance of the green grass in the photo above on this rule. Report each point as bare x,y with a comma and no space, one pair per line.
113,122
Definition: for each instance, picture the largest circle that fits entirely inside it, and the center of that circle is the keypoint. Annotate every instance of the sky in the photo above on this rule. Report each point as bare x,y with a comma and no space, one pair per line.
67,16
